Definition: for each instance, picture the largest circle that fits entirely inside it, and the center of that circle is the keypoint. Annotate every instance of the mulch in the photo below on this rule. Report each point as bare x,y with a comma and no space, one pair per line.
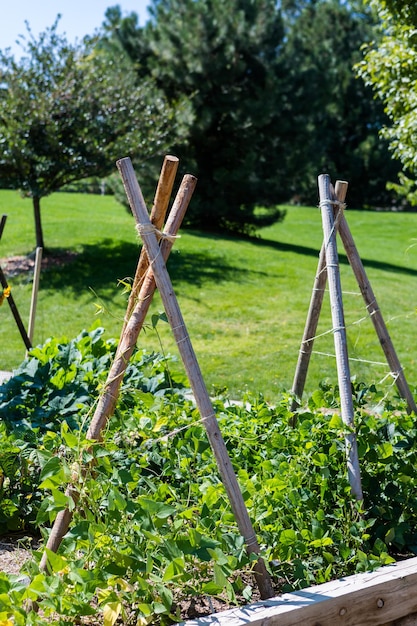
20,264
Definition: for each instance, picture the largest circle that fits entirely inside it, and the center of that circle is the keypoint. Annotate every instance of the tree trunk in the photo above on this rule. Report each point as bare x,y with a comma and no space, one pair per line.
38,223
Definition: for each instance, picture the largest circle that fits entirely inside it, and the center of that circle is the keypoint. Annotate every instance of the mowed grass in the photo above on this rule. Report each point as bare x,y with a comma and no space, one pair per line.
244,301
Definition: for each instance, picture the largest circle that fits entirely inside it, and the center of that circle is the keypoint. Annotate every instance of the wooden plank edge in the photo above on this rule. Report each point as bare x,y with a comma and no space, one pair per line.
369,599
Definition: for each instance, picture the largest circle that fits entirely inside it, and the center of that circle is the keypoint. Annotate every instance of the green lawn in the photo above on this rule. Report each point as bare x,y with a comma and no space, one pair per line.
244,301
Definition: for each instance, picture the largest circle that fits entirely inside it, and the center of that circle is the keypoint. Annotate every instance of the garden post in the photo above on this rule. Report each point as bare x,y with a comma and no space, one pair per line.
15,312
375,314
2,223
157,217
10,299
35,290
339,333
313,315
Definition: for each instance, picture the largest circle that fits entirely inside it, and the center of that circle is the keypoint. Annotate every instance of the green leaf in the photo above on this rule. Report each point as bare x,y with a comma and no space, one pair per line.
288,537
212,588
219,576
53,474
336,422
385,450
174,569
116,501
58,563
111,612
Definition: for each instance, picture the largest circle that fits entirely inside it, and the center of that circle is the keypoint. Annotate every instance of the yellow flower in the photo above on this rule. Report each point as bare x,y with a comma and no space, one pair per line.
5,294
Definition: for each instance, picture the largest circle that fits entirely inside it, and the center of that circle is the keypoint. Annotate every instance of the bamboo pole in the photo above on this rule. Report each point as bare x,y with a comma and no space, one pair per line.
157,217
339,334
163,282
2,223
15,312
10,299
376,315
313,314
35,290
127,344
108,399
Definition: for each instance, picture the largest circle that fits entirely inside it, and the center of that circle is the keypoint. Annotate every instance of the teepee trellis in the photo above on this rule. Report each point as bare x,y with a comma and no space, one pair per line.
153,273
332,209
204,404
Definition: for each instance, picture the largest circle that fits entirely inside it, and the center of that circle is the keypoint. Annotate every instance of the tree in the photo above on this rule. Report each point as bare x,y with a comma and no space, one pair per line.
224,57
390,67
67,112
335,118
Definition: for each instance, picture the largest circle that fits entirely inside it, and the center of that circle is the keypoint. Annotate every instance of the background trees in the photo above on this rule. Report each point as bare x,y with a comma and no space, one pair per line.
224,58
390,67
335,117
256,97
68,112
274,100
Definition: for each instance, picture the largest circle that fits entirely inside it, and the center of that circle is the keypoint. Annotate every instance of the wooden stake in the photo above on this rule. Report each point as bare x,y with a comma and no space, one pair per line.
15,312
158,212
10,299
127,344
371,304
108,399
163,282
313,315
35,290
376,315
2,223
339,334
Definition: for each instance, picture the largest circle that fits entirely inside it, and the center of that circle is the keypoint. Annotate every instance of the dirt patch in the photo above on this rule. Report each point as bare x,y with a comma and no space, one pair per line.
15,265
15,550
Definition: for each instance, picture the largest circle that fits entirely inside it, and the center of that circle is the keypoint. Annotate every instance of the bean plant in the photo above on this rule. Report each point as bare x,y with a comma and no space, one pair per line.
152,526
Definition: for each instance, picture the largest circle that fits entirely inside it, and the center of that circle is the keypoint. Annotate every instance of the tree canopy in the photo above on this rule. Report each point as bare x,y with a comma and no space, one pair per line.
223,57
274,100
67,112
390,67
336,118
256,97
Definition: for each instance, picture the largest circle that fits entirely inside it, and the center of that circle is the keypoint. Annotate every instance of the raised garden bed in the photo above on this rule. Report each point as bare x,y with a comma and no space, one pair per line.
386,597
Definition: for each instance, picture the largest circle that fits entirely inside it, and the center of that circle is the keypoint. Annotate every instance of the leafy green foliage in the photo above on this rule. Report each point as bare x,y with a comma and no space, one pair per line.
336,116
67,112
153,526
51,392
222,57
389,66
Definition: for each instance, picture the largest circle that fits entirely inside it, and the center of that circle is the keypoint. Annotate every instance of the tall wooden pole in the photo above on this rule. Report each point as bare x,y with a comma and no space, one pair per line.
163,282
157,217
313,314
35,291
376,315
2,223
339,334
15,312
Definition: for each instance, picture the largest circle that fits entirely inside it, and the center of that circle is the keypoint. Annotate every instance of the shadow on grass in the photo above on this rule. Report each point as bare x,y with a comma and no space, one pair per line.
101,265
307,251
314,252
